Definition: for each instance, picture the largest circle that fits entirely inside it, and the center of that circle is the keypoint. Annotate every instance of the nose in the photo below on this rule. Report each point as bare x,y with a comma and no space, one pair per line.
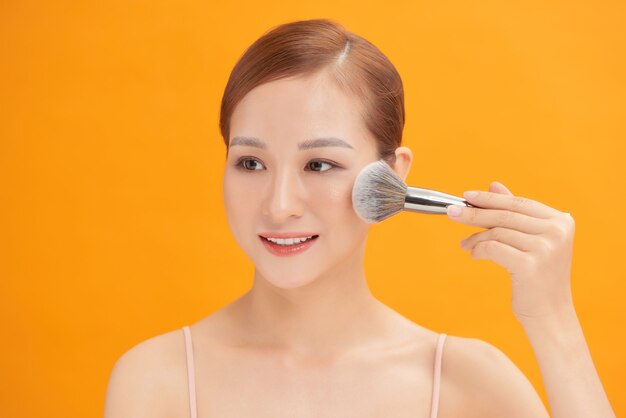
283,198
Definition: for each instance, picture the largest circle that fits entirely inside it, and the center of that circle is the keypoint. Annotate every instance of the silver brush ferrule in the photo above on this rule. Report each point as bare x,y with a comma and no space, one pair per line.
422,200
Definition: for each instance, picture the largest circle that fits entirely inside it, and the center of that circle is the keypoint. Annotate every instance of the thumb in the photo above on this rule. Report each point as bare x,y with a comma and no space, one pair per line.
497,187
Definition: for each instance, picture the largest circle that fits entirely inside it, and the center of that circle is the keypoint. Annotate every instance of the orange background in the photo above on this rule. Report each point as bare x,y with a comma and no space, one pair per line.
112,227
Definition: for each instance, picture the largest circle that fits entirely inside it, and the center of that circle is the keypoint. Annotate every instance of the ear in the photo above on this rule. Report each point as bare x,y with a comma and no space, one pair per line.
404,158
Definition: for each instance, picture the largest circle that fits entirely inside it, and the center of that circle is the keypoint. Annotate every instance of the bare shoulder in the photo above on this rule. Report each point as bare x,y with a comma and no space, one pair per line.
149,380
479,380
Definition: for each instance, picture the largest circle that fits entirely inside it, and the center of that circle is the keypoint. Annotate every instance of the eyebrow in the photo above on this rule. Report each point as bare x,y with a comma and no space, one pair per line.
309,143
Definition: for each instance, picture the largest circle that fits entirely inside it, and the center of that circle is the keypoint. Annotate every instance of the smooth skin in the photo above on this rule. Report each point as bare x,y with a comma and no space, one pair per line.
309,339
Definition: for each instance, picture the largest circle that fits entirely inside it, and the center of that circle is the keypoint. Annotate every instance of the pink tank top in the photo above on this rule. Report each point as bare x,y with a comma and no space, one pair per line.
191,377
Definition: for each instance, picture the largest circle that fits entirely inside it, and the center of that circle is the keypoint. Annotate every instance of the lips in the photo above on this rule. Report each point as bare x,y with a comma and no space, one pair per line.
290,249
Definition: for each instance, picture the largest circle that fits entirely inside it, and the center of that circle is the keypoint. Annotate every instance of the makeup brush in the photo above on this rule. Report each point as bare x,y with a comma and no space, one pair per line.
379,193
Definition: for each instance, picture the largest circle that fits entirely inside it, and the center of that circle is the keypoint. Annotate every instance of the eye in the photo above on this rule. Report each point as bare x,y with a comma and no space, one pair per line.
249,164
316,165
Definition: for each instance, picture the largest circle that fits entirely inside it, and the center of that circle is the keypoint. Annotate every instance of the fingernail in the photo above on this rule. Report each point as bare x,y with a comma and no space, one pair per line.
470,195
454,210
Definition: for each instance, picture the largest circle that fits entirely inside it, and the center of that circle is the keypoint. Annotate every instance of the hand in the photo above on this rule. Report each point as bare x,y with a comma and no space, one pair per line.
534,242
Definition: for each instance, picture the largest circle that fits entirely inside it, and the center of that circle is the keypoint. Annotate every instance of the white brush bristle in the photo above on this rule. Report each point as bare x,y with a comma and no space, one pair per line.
378,192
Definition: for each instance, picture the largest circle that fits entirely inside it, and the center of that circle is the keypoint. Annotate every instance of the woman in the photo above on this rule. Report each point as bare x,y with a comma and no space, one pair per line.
306,108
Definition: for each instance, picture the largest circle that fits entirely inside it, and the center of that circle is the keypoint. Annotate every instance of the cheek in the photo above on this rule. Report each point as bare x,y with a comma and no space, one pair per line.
331,197
334,205
237,197
340,195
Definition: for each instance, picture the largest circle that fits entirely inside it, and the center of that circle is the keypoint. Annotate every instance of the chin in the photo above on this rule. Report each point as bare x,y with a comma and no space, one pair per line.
301,270
290,284
286,280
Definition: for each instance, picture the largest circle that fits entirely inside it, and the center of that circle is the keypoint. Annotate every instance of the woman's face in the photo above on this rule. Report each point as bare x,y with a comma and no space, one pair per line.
296,146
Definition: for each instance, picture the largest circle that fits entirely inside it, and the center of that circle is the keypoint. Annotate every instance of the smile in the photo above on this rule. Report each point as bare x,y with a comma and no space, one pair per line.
288,246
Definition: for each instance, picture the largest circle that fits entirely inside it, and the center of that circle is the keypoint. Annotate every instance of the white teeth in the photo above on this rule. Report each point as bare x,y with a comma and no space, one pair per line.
288,241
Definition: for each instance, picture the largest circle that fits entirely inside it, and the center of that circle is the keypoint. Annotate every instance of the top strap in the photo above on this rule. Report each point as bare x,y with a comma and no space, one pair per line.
190,372
437,376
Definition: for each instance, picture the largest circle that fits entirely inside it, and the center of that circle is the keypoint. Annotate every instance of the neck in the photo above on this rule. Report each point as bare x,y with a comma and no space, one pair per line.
331,314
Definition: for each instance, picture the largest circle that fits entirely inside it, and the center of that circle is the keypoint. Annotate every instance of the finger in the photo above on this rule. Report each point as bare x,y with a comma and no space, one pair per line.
504,255
498,187
523,205
491,218
511,237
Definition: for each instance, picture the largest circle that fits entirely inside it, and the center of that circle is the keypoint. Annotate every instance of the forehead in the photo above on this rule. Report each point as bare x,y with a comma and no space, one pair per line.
300,107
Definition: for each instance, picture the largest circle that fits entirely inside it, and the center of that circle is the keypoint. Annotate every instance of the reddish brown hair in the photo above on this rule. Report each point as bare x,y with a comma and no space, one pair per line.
308,46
